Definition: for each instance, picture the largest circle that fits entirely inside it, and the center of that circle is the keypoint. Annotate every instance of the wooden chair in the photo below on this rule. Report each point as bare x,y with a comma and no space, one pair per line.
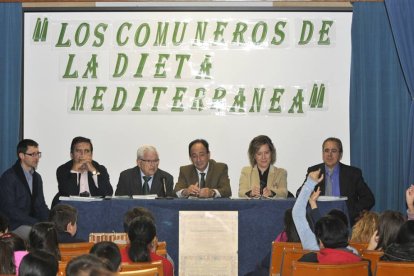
277,254
373,256
71,250
290,255
315,269
145,265
113,237
385,268
62,268
141,272
161,248
359,246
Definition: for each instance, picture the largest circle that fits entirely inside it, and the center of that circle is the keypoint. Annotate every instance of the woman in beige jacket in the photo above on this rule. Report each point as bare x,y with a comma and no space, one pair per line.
262,178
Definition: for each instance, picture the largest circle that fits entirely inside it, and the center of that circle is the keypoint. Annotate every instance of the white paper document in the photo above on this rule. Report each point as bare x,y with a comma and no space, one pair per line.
208,243
332,198
79,198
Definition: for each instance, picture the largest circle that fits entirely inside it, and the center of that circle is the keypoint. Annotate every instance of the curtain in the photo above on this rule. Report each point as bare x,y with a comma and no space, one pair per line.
379,106
10,81
400,14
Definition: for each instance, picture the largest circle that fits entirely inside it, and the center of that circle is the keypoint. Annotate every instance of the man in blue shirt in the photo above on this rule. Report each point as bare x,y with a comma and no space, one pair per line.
21,189
342,180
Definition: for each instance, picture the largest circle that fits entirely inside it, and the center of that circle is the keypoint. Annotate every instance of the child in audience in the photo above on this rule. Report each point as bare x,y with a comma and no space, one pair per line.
331,232
110,251
289,233
38,263
43,236
88,264
402,250
17,248
64,217
365,227
6,259
142,233
389,223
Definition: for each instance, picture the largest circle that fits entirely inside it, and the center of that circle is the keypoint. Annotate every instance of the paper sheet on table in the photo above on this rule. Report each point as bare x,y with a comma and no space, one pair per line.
332,198
208,243
80,198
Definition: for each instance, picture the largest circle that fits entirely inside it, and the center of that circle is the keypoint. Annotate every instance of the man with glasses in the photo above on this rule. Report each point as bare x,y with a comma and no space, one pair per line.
342,180
21,190
82,175
205,178
145,178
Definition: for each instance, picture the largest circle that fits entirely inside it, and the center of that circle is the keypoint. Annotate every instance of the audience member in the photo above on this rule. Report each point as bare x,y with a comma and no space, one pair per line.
365,227
205,178
289,233
402,250
65,217
109,251
145,178
4,224
409,197
134,213
38,263
21,190
17,246
6,259
389,223
261,178
82,175
330,231
142,233
43,236
88,265
342,180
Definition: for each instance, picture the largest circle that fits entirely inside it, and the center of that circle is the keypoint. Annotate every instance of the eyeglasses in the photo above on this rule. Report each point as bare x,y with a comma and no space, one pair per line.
333,151
152,162
34,154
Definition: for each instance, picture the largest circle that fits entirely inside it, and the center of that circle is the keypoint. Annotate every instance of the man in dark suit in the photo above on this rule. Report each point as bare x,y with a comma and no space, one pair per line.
21,189
82,175
205,177
146,177
342,180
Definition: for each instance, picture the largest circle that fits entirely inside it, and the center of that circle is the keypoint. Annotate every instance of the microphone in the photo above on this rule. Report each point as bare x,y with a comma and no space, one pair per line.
164,186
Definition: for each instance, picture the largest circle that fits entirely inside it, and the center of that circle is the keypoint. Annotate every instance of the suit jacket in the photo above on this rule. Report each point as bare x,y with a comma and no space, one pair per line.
17,203
217,178
351,185
276,180
68,182
130,183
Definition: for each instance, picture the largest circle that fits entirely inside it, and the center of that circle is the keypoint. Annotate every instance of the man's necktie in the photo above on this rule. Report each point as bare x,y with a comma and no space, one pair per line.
328,183
202,181
145,187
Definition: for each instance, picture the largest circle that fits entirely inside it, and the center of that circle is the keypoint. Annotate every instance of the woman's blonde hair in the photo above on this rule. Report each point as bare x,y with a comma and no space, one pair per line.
363,230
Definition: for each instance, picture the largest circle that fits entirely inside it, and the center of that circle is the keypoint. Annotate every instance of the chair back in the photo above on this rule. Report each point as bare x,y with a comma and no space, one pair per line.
71,250
141,272
290,255
373,256
113,237
144,265
359,246
277,254
62,268
385,268
316,269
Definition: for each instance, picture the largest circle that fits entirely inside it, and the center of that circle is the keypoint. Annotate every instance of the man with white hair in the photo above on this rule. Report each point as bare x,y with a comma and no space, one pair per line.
145,178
